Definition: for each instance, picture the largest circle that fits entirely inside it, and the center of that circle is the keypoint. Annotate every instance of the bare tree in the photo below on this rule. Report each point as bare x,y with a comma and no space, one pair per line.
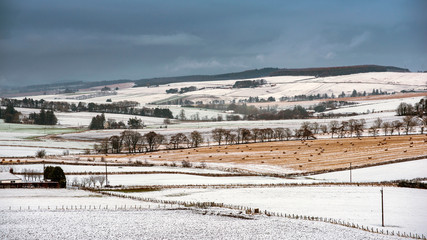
182,115
343,128
178,139
116,143
386,127
287,134
351,126
315,127
378,122
104,145
396,124
218,135
333,127
92,181
227,136
269,134
75,182
256,134
196,138
279,133
130,139
305,131
324,128
409,122
358,127
423,122
246,135
101,180
153,140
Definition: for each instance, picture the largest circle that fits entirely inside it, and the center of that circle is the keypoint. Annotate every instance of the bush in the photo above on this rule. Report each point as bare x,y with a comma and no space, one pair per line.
186,164
41,153
55,174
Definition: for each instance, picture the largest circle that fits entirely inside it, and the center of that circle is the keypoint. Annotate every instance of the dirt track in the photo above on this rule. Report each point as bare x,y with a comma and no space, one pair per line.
312,155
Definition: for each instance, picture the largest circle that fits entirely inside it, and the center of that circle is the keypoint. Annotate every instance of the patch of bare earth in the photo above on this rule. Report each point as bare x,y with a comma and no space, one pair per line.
311,155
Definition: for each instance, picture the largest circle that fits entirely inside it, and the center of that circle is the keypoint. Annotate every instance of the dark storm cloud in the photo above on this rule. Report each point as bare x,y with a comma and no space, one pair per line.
52,41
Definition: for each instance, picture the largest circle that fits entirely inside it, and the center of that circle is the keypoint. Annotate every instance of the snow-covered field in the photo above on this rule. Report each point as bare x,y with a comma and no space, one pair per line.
376,105
12,131
396,171
83,119
405,209
185,179
101,169
165,224
14,151
144,223
207,127
278,87
52,198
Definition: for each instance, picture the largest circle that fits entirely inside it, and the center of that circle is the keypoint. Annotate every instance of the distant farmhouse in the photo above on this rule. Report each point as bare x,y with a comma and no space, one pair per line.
7,177
9,180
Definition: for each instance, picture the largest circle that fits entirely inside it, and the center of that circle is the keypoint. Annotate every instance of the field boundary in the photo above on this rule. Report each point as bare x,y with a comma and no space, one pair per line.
257,211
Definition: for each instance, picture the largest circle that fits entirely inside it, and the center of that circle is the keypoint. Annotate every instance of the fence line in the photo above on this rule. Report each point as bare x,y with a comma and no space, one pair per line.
261,185
252,211
247,210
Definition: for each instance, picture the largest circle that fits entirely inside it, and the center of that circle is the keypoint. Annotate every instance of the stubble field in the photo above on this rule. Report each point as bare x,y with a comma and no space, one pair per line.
306,156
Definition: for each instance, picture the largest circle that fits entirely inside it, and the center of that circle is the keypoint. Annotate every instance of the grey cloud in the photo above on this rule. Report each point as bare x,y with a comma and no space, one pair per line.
51,41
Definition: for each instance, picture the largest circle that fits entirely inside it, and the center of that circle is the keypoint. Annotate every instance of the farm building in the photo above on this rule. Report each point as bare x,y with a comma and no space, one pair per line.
7,177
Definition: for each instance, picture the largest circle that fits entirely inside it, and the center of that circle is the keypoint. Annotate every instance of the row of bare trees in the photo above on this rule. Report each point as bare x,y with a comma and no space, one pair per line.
407,124
244,135
91,181
132,141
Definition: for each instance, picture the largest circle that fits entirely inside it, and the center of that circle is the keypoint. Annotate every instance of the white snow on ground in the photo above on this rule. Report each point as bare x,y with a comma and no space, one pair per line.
13,131
185,179
207,127
405,209
284,86
99,168
79,119
47,143
376,105
8,151
164,224
389,172
52,198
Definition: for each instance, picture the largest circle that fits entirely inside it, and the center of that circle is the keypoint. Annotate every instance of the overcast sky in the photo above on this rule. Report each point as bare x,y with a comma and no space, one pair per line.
46,41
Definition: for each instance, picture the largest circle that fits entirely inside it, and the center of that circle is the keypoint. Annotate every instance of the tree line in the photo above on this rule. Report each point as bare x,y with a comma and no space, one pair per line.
418,109
45,117
99,122
133,141
121,107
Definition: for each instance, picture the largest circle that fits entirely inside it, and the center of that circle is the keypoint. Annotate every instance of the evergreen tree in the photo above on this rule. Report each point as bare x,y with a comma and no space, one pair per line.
55,174
10,114
97,122
51,118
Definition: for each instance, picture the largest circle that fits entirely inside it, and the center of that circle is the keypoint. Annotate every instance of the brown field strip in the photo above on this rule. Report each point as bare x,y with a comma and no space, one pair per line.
311,155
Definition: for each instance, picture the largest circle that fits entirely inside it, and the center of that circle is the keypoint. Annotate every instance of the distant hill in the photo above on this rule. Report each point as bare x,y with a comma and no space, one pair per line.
336,71
255,73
